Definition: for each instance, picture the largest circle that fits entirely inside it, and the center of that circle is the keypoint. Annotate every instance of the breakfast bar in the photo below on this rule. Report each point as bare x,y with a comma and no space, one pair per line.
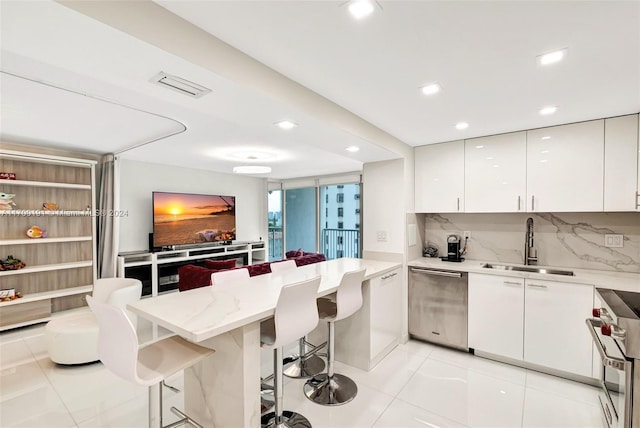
224,389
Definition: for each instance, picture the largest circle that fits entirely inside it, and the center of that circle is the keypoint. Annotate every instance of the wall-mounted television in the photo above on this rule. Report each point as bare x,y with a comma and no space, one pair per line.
190,219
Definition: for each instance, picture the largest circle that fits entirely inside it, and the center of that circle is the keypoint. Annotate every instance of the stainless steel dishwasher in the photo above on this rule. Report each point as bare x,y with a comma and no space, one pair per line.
438,306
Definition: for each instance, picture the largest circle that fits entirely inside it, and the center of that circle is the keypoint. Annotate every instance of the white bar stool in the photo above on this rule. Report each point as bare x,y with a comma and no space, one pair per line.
230,277
296,314
148,366
332,389
303,366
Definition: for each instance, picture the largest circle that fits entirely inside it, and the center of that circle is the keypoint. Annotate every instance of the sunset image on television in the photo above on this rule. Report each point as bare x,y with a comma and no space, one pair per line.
180,219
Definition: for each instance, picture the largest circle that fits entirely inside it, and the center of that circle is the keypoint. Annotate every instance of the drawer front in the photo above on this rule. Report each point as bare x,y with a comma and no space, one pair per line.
18,313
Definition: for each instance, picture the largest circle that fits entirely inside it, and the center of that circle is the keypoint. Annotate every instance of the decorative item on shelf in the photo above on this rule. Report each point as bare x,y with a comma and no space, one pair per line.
36,232
9,294
431,250
49,206
11,263
6,201
7,176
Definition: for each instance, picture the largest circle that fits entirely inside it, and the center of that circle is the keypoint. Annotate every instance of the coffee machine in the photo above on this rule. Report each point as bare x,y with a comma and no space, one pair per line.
454,250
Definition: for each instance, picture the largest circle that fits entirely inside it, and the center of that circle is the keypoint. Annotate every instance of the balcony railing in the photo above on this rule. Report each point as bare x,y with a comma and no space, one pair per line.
275,243
337,243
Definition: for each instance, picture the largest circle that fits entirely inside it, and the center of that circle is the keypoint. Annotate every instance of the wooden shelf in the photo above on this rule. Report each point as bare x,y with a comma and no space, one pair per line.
44,240
47,268
46,184
43,213
49,295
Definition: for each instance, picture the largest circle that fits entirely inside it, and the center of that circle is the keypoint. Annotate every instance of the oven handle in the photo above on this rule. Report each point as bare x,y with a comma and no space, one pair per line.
617,363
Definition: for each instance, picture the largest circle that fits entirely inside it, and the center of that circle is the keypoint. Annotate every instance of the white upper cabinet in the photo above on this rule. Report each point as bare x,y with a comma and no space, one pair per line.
621,181
565,167
440,177
495,173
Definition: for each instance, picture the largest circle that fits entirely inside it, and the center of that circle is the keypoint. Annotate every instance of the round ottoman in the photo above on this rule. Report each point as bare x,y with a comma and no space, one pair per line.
73,338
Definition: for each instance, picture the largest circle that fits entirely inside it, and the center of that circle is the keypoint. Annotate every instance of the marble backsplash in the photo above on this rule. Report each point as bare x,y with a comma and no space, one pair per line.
562,239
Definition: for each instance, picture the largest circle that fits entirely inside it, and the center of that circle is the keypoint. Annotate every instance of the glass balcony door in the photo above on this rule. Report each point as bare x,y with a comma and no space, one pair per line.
340,220
300,214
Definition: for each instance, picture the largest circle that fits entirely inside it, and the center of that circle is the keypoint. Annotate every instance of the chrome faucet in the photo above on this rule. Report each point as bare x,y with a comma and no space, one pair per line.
530,252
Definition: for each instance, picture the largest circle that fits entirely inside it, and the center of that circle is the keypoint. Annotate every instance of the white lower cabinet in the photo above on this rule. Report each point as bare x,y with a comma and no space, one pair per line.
554,324
366,337
496,305
536,321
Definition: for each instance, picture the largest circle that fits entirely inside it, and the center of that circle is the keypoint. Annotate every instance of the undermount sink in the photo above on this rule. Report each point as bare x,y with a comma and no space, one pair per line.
531,269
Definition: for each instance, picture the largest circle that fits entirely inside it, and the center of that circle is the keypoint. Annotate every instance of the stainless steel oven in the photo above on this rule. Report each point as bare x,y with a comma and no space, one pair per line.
615,328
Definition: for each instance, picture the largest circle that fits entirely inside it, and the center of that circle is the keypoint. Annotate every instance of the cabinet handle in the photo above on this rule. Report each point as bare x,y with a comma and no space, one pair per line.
537,286
458,202
511,283
518,202
390,275
532,202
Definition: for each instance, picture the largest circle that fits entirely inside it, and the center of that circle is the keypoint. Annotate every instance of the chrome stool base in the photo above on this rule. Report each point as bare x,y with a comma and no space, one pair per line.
289,420
311,366
334,391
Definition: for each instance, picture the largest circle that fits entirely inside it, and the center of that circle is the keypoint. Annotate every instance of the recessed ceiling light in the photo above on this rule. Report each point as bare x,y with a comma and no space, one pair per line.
431,89
548,110
352,149
361,8
462,125
251,169
479,147
551,57
546,137
286,124
252,156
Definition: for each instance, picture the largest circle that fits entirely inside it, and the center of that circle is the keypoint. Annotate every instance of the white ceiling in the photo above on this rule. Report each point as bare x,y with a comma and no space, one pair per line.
482,53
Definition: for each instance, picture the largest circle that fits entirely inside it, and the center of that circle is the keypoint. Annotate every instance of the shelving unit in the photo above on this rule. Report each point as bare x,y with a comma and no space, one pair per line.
60,268
158,271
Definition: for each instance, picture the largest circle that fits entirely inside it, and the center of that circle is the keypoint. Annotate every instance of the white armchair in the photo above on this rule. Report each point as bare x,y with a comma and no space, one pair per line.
73,338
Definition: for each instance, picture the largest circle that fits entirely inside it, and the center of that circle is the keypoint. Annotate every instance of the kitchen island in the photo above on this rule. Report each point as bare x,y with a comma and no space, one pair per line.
224,389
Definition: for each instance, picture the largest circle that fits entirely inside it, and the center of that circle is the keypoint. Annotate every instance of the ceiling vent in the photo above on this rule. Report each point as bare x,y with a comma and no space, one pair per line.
181,85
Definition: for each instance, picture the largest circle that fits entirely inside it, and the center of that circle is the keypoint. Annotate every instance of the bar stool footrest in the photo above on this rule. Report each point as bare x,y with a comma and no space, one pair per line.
310,367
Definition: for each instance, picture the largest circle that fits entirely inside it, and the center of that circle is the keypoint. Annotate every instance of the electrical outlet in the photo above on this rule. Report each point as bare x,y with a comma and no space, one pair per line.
467,234
614,241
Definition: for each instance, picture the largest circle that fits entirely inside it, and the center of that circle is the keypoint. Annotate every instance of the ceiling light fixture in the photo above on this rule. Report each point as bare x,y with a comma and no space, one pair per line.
462,125
251,169
252,156
361,8
546,137
551,57
431,89
352,149
179,84
548,110
479,147
286,124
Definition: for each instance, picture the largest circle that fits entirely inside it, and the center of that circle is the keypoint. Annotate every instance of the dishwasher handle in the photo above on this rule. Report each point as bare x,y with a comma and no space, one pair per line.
437,272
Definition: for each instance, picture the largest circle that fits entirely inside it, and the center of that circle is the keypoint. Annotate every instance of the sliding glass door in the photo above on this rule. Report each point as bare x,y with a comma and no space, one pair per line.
300,219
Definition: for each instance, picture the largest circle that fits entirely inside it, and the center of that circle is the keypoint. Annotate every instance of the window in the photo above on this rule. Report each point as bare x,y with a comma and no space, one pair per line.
340,197
340,212
340,240
340,186
326,212
356,196
357,225
340,225
357,210
339,254
326,198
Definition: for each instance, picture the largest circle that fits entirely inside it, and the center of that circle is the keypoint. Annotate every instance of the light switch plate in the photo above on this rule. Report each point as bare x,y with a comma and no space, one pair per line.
382,236
614,241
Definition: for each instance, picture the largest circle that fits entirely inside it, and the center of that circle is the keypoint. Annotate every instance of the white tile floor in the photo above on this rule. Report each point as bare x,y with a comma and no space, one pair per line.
417,385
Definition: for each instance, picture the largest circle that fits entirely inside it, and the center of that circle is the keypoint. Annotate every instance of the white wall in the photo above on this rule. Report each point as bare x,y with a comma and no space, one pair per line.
384,207
139,179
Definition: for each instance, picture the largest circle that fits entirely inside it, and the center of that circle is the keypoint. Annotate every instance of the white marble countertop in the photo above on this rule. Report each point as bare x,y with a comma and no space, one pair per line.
205,312
602,279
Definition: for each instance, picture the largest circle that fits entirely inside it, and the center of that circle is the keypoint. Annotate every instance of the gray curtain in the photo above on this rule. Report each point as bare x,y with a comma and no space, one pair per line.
107,227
